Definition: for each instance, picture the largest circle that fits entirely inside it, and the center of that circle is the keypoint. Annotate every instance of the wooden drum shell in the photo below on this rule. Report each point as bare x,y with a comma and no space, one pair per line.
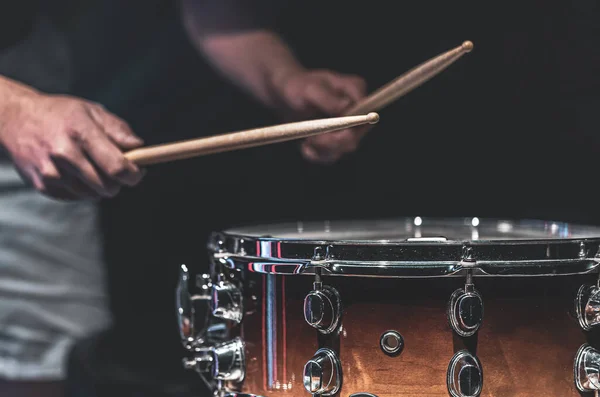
526,345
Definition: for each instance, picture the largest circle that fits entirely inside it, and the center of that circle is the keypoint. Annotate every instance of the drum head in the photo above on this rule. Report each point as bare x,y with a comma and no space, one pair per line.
407,229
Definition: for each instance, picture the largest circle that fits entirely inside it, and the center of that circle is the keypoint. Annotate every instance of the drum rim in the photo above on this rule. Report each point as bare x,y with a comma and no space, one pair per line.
499,257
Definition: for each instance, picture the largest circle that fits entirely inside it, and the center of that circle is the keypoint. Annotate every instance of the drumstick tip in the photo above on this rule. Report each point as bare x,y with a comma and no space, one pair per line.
373,118
467,46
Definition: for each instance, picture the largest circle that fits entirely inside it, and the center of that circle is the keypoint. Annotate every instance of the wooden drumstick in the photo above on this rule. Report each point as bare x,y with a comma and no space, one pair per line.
245,139
409,81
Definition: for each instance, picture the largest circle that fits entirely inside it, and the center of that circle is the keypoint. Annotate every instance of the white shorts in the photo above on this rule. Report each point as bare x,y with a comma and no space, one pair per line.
52,283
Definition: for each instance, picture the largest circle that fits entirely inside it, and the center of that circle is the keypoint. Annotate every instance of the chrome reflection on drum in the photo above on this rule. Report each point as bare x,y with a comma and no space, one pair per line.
323,373
465,375
587,369
399,248
587,307
192,309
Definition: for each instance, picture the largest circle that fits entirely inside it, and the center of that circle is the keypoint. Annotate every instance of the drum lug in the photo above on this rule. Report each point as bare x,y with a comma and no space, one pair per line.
465,309
229,361
227,301
587,369
323,373
465,375
201,362
192,310
222,362
587,306
322,307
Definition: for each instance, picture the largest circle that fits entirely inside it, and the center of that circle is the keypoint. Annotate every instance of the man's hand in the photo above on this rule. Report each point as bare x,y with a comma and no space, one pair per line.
66,147
315,93
259,60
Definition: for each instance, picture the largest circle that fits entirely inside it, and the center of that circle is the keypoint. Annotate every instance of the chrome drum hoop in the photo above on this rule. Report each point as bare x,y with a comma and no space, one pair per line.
528,248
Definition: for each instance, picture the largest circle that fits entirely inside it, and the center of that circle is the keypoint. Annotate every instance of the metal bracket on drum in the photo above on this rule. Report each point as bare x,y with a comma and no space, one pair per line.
362,395
205,321
192,309
323,373
465,375
322,305
465,308
587,306
225,362
586,369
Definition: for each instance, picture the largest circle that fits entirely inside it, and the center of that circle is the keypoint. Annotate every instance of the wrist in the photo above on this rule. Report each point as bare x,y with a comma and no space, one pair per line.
13,96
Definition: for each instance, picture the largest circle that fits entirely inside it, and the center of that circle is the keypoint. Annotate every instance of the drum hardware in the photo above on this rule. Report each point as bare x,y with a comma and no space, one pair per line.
322,305
323,373
192,310
465,375
322,308
222,362
587,306
203,328
229,361
587,369
465,308
501,249
201,362
238,247
216,243
232,394
227,301
226,297
362,395
391,343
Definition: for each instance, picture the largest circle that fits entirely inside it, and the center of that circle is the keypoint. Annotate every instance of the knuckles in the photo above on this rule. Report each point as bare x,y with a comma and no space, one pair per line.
63,150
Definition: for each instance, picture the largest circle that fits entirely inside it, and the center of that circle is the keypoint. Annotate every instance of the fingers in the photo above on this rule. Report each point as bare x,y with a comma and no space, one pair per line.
329,148
108,157
354,87
115,128
48,180
314,156
69,188
326,100
80,176
66,156
87,164
332,93
329,93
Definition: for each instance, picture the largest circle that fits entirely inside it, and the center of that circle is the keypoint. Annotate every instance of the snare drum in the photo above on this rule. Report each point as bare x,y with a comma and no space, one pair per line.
404,307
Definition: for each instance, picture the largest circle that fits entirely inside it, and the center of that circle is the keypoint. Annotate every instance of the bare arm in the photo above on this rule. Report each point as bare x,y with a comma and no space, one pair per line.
242,48
249,55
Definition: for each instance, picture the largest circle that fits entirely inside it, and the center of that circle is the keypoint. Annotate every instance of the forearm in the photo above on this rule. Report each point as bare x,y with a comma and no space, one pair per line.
252,57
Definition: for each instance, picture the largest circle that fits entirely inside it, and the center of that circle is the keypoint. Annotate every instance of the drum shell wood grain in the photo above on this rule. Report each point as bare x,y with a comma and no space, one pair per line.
526,345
